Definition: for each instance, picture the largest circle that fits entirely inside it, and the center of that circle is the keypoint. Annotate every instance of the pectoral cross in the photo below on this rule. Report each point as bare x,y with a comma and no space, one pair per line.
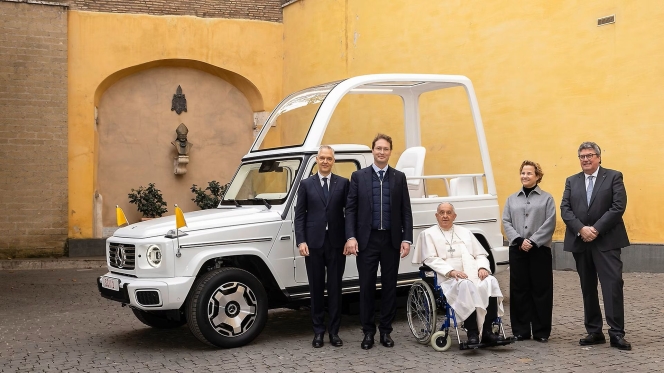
451,250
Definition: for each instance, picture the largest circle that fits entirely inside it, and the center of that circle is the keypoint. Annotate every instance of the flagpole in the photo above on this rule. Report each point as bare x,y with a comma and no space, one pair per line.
177,233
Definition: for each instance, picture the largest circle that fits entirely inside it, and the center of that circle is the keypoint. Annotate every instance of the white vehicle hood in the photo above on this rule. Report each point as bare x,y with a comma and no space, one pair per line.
204,219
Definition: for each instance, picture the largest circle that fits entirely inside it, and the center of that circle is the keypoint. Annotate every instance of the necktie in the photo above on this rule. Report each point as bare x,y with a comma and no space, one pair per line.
381,172
589,191
326,191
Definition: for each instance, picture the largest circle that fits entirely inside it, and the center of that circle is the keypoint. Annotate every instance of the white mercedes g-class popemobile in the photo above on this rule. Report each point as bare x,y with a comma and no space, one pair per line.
222,272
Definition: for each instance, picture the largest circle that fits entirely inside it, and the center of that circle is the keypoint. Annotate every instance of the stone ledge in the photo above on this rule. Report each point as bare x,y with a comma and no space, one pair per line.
86,247
23,264
636,258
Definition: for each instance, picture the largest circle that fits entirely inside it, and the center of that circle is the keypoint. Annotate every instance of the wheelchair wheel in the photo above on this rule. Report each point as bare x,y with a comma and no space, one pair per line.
441,341
421,311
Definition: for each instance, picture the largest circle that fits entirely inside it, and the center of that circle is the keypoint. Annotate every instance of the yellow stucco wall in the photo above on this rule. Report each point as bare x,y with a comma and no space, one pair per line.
547,78
104,47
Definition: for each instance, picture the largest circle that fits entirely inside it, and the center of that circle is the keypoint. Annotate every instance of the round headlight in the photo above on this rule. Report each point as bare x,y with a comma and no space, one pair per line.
154,256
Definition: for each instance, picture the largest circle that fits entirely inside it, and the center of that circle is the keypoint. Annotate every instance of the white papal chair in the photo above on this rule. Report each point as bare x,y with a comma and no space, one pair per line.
411,163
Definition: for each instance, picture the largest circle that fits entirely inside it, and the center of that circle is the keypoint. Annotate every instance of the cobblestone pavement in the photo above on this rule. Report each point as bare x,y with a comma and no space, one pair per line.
54,320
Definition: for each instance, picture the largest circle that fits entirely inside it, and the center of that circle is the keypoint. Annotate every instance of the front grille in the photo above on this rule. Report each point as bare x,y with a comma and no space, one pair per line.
122,256
147,297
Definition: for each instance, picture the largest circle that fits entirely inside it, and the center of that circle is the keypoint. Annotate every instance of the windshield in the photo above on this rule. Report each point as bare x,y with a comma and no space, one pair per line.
257,182
289,124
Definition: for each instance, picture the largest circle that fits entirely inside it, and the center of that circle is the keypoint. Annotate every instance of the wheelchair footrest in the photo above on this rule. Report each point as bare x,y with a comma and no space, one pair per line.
505,342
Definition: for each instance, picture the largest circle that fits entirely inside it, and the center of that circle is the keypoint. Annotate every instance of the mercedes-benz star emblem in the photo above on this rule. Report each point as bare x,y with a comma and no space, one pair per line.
120,257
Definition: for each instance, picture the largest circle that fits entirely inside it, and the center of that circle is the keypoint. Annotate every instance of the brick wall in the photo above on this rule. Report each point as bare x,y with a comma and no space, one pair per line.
264,10
33,129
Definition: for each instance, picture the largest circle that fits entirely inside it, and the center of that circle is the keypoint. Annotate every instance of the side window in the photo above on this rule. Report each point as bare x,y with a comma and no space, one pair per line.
342,167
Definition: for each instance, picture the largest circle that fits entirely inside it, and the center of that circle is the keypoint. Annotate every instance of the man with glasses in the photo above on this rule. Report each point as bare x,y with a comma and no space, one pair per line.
379,228
593,204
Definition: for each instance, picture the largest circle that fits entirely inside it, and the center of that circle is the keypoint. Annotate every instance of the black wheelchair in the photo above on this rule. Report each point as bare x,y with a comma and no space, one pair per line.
425,302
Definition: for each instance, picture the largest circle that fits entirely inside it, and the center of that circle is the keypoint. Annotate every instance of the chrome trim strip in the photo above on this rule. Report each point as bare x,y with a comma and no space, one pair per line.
354,289
227,242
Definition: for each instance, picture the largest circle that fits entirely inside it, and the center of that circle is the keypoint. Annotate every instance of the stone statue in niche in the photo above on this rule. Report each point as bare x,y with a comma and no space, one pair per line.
183,147
179,103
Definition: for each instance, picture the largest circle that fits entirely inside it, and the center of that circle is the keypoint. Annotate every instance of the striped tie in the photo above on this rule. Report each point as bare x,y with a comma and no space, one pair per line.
589,191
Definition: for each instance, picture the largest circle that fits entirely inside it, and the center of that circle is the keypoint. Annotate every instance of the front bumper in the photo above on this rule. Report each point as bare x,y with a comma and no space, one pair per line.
172,291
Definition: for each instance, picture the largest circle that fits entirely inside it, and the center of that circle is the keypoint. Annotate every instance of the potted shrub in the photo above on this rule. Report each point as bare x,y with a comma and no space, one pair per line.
148,201
209,197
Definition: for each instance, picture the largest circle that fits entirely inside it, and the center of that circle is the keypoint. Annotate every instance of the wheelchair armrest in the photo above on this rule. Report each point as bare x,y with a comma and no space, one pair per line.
425,267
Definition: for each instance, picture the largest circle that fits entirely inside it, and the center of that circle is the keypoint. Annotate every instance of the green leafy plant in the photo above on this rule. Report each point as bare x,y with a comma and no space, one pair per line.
209,197
148,201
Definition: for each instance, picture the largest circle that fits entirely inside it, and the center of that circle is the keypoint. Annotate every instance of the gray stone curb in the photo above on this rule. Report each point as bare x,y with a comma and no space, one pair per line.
65,263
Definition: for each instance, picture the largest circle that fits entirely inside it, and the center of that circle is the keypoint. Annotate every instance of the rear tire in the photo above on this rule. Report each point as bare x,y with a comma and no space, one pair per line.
421,311
157,319
227,308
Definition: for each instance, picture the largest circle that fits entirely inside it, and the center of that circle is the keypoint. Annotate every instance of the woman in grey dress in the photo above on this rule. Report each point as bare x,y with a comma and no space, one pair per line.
529,219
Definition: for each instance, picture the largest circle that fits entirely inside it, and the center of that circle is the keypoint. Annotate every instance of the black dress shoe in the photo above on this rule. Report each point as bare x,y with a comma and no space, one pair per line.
491,338
621,343
521,337
386,340
592,339
318,341
368,341
336,341
541,339
473,338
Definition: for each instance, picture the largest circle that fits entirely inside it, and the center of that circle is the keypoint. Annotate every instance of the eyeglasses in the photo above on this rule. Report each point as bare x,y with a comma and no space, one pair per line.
445,213
587,156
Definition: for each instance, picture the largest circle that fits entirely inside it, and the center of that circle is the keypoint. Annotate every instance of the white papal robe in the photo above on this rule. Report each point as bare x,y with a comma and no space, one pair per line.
458,249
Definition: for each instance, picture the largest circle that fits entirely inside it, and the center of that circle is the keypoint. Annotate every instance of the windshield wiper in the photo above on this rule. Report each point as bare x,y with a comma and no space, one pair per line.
265,202
237,204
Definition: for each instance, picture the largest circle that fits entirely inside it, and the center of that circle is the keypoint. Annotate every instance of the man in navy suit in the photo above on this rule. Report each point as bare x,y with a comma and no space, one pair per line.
320,237
379,228
593,204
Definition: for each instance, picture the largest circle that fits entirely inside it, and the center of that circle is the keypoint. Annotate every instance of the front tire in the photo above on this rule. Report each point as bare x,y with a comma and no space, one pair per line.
157,320
227,308
441,341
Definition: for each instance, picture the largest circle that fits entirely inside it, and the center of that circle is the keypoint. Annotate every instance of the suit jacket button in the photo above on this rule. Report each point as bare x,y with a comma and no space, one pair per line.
526,227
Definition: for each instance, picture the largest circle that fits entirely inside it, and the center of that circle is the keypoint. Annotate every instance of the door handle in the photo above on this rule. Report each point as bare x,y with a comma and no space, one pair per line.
284,238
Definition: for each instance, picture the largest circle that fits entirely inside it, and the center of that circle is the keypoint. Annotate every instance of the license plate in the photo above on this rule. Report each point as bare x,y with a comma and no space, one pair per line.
110,283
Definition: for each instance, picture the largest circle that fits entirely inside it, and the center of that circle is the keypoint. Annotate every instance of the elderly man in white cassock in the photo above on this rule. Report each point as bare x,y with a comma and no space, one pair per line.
463,272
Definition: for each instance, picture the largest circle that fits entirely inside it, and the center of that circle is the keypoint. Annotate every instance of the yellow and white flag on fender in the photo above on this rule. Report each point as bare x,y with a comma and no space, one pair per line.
120,215
179,218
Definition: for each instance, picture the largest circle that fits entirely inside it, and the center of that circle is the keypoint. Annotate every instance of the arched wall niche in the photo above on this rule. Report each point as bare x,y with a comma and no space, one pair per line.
245,86
135,128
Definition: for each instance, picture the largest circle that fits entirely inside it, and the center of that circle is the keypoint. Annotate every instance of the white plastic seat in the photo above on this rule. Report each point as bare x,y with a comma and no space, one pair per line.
411,163
464,186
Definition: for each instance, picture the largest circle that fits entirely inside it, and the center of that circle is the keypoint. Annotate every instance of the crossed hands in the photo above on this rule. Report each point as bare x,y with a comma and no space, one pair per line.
351,248
588,234
526,245
482,273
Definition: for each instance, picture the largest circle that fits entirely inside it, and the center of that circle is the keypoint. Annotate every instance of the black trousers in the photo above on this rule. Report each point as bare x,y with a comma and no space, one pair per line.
491,314
531,291
334,260
378,251
607,265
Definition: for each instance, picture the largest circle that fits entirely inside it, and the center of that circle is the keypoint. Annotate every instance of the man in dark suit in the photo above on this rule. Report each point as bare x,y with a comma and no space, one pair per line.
379,228
593,204
320,237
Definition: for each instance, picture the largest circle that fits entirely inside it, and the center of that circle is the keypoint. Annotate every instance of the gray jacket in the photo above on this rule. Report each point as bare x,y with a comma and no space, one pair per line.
532,217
